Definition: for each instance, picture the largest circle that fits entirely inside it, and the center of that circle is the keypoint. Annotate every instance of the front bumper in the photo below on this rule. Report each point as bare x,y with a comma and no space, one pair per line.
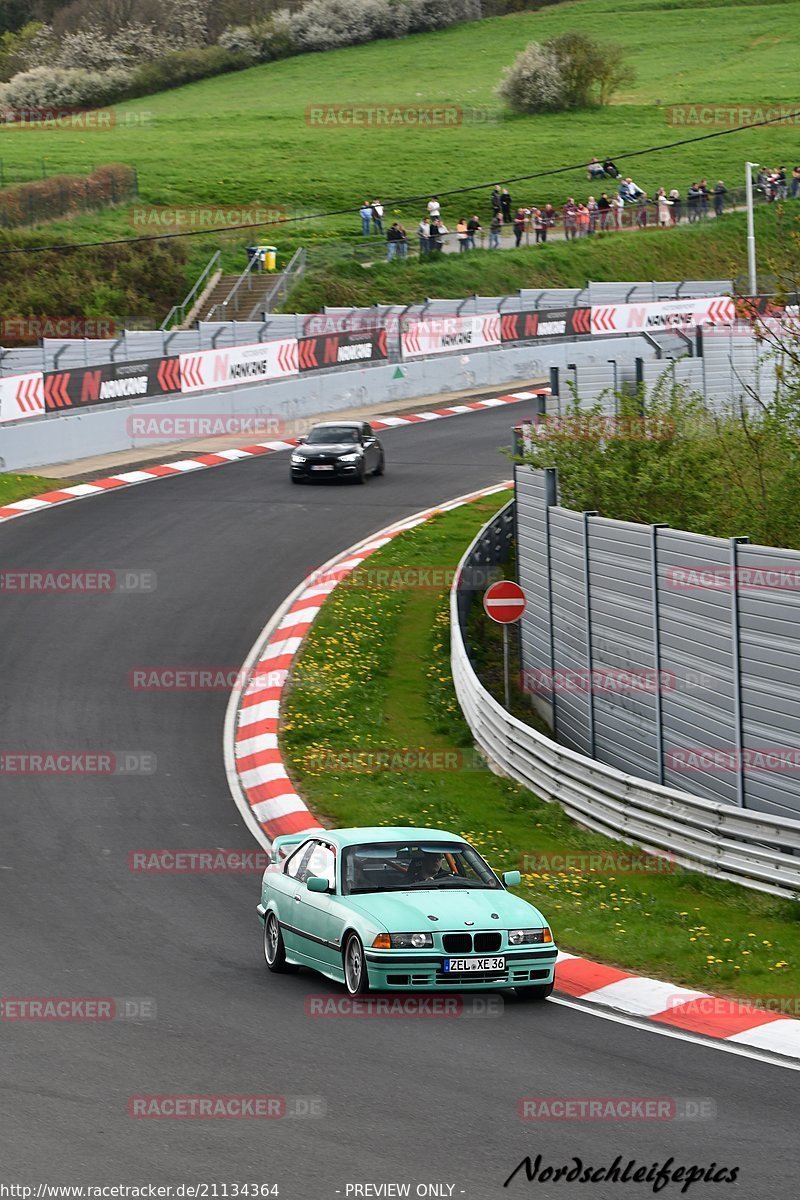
304,470
404,971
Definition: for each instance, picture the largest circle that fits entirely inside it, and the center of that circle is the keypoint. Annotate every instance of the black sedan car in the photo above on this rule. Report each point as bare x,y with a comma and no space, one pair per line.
337,450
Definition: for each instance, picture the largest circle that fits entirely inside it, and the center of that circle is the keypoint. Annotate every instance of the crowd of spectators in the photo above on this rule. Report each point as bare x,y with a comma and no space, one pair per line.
622,204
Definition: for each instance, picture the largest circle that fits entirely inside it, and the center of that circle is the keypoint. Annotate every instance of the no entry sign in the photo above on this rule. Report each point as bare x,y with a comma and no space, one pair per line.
504,602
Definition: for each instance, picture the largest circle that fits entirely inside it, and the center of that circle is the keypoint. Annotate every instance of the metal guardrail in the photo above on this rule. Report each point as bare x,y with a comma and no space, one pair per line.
178,311
292,273
748,848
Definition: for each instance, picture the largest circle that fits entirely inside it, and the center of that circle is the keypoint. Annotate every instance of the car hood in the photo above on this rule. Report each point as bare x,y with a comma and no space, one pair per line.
409,912
328,448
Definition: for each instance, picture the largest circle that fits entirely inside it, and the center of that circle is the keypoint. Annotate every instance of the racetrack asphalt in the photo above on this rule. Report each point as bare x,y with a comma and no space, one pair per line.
416,1101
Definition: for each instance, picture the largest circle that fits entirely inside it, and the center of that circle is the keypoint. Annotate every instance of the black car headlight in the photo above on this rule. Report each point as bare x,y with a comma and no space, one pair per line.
529,937
298,458
350,457
411,941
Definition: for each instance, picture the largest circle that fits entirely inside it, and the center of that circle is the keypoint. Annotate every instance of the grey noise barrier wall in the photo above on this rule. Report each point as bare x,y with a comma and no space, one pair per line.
666,654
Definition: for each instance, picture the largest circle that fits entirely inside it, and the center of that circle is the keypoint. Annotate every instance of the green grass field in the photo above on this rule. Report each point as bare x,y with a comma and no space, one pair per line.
244,138
395,691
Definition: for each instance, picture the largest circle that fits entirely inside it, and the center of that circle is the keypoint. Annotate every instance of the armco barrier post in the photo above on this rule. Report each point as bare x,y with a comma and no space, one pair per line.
736,666
659,713
587,599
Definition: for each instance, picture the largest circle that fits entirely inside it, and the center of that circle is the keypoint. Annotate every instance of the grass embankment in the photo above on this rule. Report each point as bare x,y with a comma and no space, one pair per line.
20,487
374,673
244,138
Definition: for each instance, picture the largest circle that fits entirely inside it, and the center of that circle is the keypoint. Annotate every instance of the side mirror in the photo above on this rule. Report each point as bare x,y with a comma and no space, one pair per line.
315,883
302,439
511,878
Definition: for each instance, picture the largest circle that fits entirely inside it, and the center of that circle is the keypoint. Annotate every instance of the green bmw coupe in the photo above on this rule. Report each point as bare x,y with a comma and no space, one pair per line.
401,909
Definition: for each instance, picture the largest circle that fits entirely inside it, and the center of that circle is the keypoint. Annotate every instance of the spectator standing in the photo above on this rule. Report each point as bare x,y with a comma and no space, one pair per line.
539,228
550,218
677,205
424,234
392,240
402,241
604,210
794,190
582,220
702,188
641,210
594,209
505,206
617,209
497,203
494,231
693,203
462,233
519,227
365,212
438,230
377,216
434,210
720,192
664,209
473,228
569,214
782,186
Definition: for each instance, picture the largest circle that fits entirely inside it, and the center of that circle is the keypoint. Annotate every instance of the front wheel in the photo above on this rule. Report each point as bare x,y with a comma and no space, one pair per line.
381,467
274,949
534,993
361,474
355,968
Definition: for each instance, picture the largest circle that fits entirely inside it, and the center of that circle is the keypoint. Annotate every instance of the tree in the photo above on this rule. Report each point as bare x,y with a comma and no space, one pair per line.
565,73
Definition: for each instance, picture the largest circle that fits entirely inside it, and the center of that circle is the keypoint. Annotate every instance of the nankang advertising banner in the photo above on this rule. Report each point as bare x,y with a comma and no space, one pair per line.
447,335
662,314
21,396
545,323
212,369
340,349
110,383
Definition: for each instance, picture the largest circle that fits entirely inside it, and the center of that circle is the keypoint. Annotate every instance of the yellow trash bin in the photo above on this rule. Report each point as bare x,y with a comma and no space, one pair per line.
269,257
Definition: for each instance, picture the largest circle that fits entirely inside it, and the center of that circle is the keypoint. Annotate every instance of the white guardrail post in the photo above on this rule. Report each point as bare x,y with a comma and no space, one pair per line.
753,849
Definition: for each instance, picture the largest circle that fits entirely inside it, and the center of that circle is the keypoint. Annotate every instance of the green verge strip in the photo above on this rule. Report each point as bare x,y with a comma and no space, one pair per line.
20,487
373,735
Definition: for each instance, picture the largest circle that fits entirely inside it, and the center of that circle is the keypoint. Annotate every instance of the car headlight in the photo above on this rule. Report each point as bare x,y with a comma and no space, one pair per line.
298,458
403,941
349,457
529,937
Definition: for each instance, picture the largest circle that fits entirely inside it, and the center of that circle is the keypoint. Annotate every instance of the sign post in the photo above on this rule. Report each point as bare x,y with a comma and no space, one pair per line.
504,603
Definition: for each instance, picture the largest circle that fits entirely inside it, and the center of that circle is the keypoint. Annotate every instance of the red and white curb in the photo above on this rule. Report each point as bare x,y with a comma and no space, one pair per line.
265,796
81,491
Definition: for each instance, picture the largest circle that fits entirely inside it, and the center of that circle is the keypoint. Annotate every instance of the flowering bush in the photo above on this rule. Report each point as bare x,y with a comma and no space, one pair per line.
534,82
132,44
63,88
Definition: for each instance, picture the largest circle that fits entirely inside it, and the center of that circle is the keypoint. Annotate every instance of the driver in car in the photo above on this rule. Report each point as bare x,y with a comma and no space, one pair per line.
426,866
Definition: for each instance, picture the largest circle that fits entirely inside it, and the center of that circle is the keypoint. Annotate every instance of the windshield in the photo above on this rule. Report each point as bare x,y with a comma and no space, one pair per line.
414,866
330,435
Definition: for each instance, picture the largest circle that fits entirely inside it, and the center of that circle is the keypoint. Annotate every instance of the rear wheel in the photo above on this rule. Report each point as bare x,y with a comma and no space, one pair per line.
274,949
534,992
355,967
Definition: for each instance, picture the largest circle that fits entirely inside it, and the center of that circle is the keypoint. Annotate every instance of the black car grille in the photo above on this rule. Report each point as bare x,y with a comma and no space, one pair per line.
457,943
463,943
453,977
